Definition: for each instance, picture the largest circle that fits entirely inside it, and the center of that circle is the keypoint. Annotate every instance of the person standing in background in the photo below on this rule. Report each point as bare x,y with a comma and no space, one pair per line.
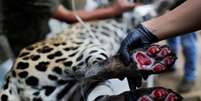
26,21
182,20
189,46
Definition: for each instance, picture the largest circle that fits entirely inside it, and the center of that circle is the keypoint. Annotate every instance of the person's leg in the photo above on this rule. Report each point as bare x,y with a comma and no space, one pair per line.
173,44
190,53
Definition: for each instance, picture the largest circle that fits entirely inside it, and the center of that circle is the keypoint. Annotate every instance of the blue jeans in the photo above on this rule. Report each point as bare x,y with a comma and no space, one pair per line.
188,42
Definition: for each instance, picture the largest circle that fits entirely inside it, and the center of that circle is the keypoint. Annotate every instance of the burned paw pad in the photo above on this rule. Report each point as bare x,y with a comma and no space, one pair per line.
154,58
160,94
145,98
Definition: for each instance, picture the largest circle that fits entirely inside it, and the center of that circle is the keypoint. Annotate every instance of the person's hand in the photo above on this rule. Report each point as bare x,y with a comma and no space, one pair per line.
140,37
121,6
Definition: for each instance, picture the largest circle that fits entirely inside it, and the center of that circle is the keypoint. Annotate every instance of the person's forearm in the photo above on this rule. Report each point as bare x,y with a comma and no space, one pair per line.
68,16
183,19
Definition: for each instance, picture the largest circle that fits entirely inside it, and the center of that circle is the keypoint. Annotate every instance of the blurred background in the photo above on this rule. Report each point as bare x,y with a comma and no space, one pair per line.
152,8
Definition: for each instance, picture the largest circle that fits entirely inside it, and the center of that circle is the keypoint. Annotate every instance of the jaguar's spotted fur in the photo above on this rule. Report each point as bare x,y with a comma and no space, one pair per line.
52,70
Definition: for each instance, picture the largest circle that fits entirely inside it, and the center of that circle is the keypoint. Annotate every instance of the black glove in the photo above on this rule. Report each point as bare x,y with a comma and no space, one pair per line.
140,37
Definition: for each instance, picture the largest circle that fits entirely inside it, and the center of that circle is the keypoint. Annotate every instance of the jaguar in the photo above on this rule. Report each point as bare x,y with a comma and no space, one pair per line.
70,65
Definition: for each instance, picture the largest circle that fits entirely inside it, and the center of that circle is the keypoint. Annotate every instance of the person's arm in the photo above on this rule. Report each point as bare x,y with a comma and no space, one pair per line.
183,19
119,7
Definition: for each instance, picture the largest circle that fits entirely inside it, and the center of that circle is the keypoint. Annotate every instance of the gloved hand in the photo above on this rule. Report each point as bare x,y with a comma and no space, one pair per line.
140,37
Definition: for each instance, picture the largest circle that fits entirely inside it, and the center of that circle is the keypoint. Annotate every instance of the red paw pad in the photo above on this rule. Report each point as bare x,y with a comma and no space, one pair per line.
154,58
158,68
159,93
165,51
169,60
142,60
153,50
145,98
171,97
